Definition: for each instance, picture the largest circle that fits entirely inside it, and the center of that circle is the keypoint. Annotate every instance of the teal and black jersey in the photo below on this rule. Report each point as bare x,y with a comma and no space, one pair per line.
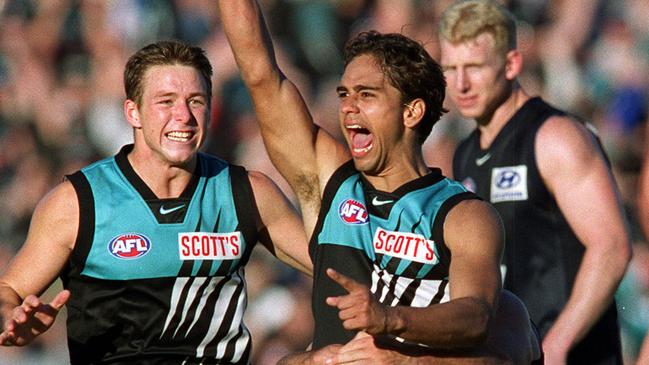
392,242
160,280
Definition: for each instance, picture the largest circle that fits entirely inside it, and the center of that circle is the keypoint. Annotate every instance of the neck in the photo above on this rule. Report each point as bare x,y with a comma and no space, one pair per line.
397,174
165,180
491,126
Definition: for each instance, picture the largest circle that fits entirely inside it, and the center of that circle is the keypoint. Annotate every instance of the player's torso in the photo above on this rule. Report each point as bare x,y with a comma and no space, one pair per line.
159,277
396,238
542,253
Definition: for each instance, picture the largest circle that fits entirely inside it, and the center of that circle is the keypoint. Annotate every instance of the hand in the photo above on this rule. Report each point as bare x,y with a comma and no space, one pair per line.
363,350
358,309
31,319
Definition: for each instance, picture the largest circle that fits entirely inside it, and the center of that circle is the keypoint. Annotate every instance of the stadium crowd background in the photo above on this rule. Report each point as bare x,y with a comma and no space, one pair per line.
61,96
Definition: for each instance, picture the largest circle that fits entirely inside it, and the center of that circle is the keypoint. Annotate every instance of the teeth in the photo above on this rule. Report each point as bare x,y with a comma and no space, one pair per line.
363,150
354,126
179,136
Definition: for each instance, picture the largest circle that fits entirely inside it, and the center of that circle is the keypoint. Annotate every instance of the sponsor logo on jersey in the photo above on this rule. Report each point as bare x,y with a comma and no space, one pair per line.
509,183
353,212
409,246
209,245
129,246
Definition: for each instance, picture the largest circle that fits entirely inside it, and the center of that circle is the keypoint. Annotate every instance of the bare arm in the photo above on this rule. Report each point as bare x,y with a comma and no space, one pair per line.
282,231
575,171
303,153
49,243
474,234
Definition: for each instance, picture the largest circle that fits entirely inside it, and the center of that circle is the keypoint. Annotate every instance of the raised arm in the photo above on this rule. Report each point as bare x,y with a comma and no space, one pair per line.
49,243
575,171
302,152
282,231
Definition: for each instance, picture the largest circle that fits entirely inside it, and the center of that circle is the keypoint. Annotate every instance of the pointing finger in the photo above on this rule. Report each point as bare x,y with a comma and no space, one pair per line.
60,299
347,283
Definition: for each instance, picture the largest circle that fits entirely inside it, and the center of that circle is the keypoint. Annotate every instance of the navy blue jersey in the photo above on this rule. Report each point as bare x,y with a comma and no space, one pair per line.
392,242
542,253
160,280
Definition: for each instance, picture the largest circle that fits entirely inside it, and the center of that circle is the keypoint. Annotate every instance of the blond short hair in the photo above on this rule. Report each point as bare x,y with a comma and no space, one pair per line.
466,20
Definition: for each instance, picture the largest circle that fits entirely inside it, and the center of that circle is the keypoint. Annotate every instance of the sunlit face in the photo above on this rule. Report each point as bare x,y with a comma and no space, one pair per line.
171,119
475,76
371,115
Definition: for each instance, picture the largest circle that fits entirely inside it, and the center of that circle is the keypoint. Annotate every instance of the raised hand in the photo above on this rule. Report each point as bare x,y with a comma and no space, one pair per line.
358,309
30,319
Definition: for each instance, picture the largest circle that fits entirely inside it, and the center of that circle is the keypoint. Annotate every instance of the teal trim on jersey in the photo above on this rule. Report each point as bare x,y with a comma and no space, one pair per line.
120,210
335,230
414,212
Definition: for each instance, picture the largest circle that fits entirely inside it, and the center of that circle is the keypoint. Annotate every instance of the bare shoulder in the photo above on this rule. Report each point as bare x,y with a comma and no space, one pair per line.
473,223
562,138
266,192
58,213
472,213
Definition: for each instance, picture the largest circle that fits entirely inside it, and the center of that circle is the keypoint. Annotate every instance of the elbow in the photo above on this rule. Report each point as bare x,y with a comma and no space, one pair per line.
480,332
260,75
477,330
618,256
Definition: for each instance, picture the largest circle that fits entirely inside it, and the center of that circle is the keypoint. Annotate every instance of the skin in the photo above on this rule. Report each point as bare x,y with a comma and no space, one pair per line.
169,128
307,156
482,85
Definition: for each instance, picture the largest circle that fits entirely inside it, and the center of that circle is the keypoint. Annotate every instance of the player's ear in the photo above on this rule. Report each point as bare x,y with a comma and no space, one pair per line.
132,113
513,64
413,112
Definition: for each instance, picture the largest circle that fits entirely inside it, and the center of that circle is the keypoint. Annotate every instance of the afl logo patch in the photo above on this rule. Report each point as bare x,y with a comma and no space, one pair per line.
352,212
129,246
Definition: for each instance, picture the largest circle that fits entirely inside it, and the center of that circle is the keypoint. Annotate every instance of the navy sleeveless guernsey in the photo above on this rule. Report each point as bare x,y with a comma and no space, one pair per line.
542,253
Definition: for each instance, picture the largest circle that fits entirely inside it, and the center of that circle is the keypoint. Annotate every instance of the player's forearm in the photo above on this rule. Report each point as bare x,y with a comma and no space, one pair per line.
248,36
460,323
599,275
9,300
302,358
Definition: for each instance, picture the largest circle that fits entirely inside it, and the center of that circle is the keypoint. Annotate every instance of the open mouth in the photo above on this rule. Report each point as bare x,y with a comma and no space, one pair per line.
361,139
178,136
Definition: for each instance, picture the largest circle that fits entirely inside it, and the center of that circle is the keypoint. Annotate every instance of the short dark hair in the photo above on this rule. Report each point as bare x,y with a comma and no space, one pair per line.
160,54
408,67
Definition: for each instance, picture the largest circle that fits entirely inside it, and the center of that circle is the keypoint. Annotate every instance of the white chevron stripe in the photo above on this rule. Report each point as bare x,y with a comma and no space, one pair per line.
193,289
175,298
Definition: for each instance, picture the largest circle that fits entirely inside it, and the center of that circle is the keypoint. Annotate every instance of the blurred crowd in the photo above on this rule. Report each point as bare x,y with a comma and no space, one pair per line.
61,97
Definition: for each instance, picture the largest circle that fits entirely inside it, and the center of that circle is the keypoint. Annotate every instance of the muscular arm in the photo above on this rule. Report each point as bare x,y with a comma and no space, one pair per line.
474,234
574,169
282,231
303,153
50,240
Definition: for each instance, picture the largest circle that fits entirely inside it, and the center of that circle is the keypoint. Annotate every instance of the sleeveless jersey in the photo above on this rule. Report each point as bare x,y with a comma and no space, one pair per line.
160,280
542,253
391,242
